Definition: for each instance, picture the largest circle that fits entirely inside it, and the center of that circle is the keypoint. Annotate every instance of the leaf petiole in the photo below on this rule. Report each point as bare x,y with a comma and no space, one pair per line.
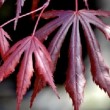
76,3
45,6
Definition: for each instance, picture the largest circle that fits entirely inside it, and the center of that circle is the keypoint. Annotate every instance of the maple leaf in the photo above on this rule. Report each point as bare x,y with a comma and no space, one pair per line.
28,47
4,44
75,80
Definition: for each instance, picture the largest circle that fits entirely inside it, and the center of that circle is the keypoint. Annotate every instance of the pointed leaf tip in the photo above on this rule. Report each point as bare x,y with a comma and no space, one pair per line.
107,32
4,43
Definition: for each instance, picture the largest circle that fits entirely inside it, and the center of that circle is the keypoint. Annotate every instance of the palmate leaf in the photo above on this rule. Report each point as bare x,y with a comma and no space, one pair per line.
75,80
4,44
28,47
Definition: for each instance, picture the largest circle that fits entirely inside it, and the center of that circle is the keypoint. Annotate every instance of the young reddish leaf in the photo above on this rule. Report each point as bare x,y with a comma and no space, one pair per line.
99,69
75,80
4,44
43,65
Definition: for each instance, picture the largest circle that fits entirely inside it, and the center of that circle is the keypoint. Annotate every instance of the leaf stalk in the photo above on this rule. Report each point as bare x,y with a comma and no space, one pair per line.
76,3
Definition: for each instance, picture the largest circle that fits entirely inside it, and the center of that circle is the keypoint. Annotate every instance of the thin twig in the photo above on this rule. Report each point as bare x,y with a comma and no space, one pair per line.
9,21
45,6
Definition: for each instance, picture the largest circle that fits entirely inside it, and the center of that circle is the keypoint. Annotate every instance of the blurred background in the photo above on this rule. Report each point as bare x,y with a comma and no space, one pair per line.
94,98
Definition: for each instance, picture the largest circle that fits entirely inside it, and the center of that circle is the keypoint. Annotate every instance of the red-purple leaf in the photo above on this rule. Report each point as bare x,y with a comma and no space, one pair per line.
44,32
75,80
96,12
4,44
99,69
57,41
30,46
43,65
96,21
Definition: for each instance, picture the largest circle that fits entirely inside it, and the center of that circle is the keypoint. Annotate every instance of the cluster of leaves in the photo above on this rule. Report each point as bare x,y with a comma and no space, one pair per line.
31,48
45,62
